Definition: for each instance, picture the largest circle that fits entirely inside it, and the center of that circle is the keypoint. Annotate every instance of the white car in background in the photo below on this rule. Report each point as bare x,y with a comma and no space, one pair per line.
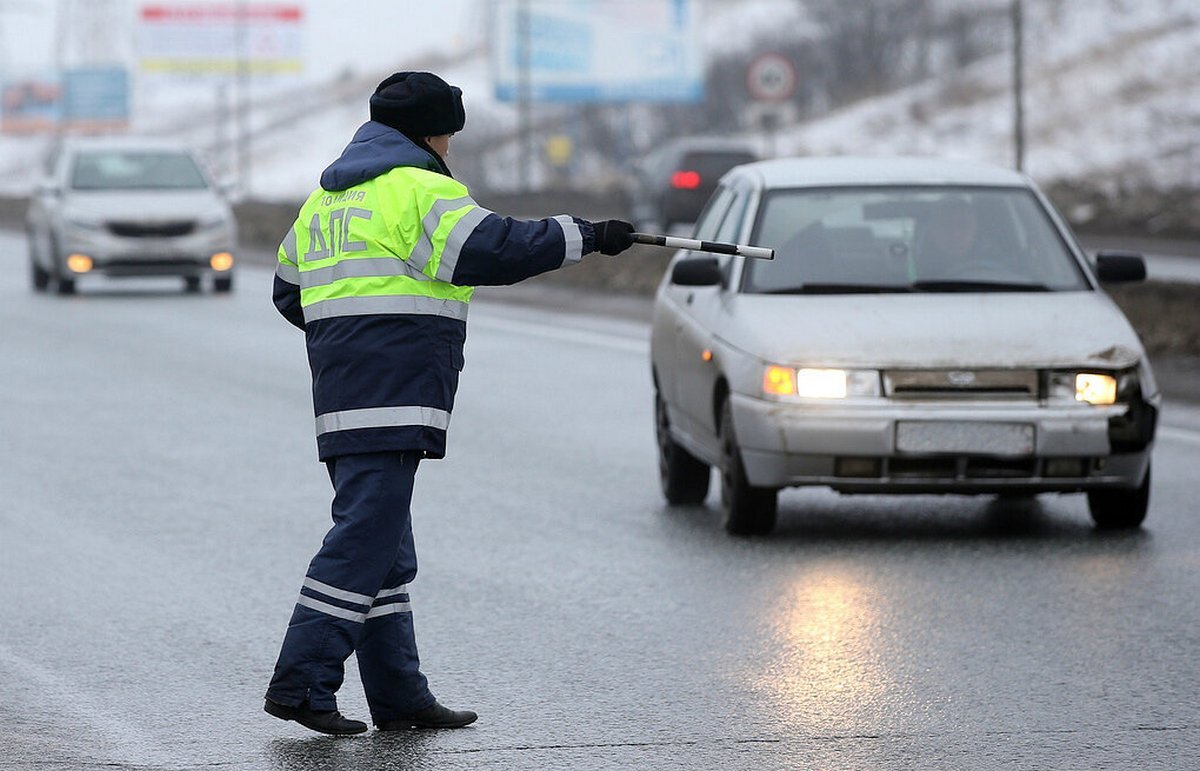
926,327
128,207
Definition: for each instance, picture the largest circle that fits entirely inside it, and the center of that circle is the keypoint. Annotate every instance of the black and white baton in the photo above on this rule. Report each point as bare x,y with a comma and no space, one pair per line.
716,247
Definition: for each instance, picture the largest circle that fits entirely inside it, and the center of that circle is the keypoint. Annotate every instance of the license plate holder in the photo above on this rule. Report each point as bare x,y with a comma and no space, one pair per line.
965,437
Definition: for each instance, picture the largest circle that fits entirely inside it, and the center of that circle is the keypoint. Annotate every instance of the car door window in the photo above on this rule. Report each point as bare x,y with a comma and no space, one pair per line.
730,228
713,215
732,224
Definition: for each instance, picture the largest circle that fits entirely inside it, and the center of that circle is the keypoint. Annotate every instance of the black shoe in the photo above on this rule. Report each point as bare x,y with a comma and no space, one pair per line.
433,716
326,722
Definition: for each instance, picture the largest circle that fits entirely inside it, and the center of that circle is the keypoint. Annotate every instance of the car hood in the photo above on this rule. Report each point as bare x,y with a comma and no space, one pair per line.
929,330
145,204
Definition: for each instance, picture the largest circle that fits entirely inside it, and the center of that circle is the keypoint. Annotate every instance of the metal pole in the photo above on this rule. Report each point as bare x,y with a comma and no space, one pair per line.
243,102
61,30
1018,84
524,94
221,150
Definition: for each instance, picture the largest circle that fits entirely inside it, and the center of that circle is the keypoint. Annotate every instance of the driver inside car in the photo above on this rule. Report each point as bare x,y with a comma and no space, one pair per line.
951,239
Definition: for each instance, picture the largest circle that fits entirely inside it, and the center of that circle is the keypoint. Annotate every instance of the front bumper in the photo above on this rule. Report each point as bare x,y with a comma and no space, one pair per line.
111,255
854,447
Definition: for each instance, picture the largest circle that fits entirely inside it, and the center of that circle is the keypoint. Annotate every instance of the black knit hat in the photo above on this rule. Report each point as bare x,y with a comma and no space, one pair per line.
418,104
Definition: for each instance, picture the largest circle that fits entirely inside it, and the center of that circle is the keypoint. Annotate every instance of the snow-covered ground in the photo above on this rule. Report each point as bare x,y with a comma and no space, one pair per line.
1113,93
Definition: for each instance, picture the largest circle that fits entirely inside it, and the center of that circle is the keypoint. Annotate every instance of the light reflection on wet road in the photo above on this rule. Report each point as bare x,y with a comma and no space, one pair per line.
163,498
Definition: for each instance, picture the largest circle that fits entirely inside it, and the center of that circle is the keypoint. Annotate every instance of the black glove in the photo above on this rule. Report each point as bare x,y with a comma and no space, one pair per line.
613,236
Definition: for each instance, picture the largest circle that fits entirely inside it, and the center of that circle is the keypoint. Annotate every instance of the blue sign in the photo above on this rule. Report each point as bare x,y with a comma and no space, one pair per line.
96,96
597,51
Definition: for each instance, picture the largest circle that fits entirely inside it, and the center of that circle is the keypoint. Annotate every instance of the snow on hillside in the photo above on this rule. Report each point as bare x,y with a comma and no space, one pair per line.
1113,92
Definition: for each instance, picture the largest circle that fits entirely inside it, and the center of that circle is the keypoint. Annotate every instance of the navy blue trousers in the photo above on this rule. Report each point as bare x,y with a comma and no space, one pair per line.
355,595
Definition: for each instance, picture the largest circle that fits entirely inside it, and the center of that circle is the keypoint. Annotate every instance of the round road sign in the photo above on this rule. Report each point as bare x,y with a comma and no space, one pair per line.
771,78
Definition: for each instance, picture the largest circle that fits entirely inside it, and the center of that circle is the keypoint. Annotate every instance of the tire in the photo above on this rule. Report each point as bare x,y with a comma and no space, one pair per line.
39,277
191,284
63,284
748,510
223,284
684,478
1120,509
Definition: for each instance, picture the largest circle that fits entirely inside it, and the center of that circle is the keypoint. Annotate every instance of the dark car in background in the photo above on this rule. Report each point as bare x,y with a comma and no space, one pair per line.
128,207
673,182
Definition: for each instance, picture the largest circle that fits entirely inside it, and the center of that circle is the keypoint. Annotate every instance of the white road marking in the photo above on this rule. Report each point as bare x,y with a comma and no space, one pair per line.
1177,434
546,331
111,737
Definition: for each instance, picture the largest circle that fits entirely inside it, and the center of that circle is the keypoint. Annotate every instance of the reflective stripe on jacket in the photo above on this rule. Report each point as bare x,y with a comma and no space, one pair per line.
379,274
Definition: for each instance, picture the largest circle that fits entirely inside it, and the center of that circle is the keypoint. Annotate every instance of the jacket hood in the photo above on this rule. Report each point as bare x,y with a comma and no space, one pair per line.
375,150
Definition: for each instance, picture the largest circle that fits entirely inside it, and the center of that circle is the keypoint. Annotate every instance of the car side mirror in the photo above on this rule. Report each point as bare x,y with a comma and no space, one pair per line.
697,271
48,187
1116,266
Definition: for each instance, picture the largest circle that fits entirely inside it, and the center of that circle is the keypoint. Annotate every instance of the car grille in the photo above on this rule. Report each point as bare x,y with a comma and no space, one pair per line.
965,468
961,384
151,229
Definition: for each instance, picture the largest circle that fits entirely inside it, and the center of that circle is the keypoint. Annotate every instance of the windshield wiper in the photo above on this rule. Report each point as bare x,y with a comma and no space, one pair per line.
842,289
979,286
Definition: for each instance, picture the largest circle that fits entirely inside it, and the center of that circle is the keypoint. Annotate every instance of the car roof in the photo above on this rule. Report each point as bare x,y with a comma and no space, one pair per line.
847,170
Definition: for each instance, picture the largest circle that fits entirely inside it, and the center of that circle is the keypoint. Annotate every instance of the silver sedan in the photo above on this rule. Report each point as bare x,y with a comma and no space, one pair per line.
128,207
926,327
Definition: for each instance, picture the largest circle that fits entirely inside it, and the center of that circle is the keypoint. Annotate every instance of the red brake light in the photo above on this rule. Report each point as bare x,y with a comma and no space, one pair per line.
686,180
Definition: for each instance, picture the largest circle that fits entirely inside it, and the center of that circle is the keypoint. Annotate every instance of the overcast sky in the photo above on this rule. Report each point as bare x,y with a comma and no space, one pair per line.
363,34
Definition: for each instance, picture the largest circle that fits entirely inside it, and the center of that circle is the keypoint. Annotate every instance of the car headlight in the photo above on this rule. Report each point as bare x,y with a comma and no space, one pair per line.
1091,387
819,383
1095,388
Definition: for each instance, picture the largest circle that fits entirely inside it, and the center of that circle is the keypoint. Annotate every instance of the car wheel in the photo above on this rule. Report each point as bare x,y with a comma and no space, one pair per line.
39,277
191,284
1120,509
62,284
748,510
684,478
223,284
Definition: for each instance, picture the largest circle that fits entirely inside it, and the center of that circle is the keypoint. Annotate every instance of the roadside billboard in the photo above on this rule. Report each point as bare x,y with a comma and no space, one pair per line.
30,105
96,99
88,99
597,50
215,39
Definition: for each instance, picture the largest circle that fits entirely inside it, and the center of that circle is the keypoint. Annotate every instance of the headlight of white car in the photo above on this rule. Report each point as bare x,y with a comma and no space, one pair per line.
1092,387
819,383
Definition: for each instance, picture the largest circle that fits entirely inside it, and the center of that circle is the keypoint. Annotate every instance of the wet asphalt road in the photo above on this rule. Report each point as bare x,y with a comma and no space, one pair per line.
161,500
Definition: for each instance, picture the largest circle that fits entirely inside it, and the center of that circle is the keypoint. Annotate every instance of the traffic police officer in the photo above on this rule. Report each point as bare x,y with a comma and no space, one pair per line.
378,270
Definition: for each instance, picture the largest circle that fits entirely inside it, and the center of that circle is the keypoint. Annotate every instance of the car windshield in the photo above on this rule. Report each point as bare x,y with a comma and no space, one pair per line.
136,170
909,239
711,164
